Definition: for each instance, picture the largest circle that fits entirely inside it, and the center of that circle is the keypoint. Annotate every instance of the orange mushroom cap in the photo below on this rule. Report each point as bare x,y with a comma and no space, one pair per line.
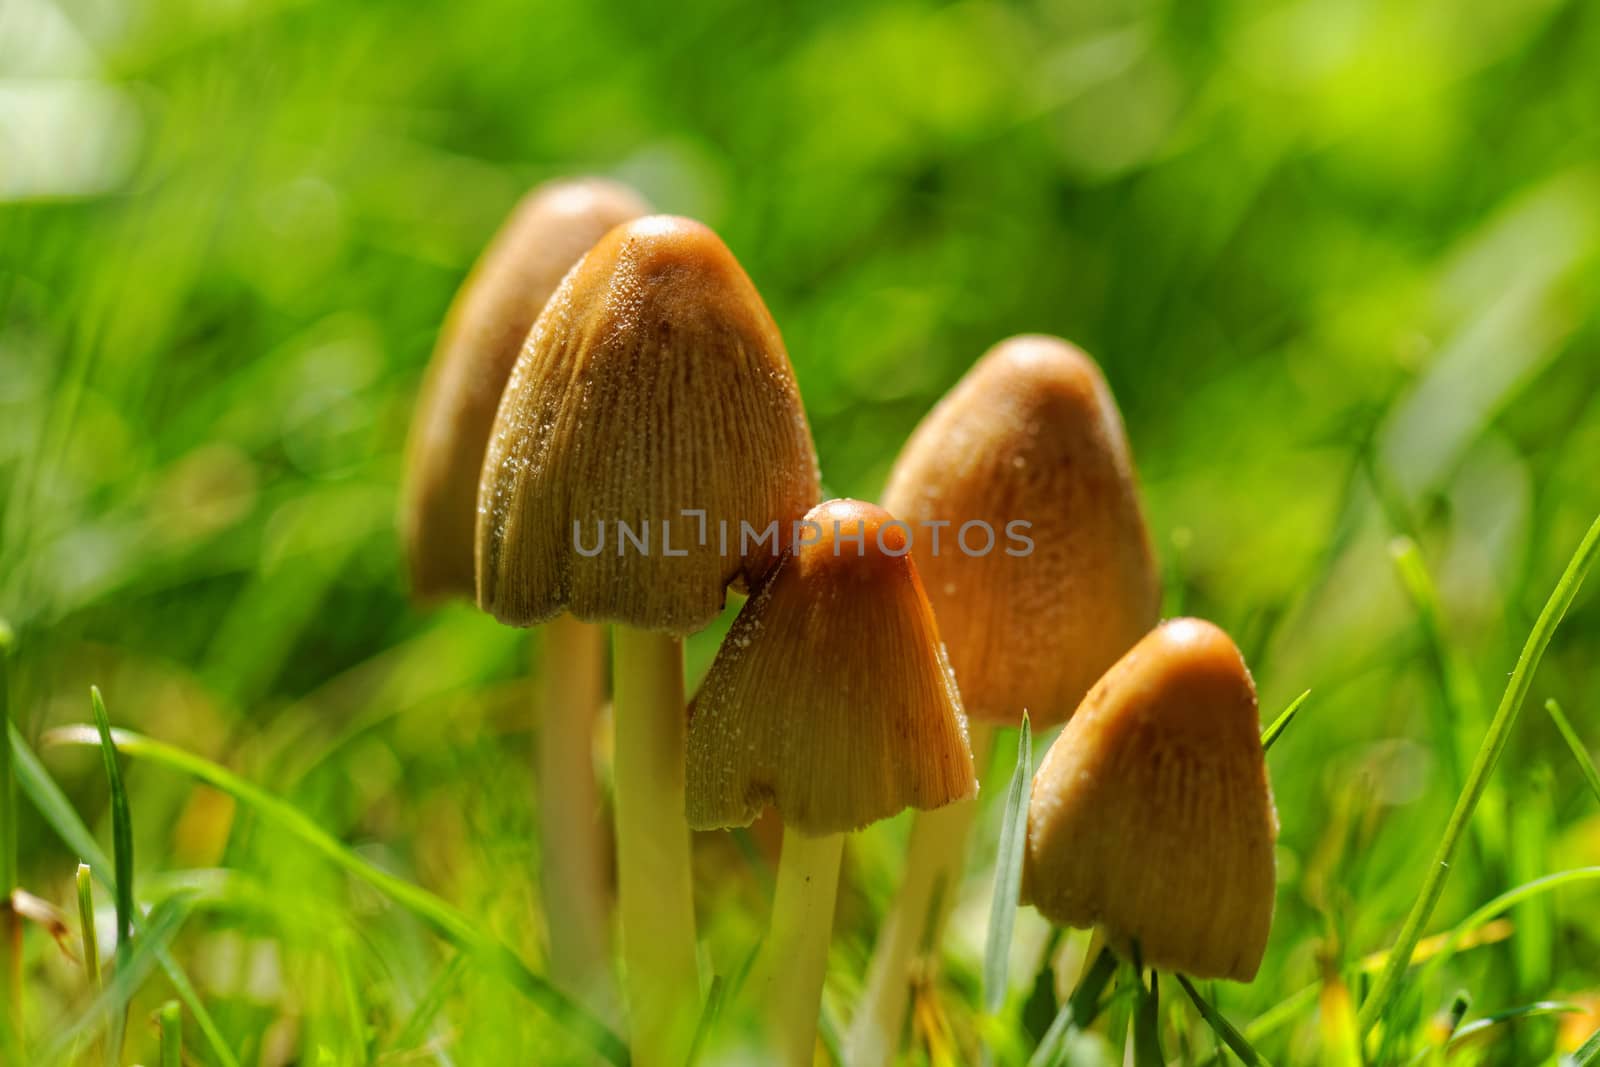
1151,816
831,698
654,392
1030,435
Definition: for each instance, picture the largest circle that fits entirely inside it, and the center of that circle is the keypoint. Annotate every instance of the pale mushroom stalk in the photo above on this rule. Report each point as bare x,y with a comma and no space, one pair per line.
654,881
786,981
935,854
573,873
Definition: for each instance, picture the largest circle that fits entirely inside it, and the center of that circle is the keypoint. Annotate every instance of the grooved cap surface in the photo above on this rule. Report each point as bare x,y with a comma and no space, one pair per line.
1151,816
830,699
1030,434
654,383
550,230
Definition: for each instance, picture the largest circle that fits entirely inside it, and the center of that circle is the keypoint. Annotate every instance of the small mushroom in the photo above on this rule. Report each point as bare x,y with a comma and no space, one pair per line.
830,700
1151,816
1029,447
1029,534
550,230
649,451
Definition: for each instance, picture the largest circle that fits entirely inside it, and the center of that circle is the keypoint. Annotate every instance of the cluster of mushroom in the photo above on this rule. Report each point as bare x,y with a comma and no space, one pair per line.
609,368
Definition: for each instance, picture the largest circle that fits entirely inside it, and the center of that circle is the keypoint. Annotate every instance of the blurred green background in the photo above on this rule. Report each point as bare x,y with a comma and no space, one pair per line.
1340,261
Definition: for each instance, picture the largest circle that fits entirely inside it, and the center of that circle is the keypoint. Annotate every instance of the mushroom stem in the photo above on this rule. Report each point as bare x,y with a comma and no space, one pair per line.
786,983
934,856
654,886
573,873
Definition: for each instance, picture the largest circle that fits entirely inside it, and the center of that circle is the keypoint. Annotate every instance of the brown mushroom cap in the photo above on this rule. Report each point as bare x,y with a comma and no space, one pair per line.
831,698
654,383
1151,815
549,231
1031,434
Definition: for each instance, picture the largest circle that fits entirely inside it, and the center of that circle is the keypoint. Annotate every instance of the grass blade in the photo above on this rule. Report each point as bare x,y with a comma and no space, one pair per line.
142,956
1502,903
121,824
1589,1054
1281,723
91,942
171,1019
10,922
1008,874
1049,1050
828,1033
443,918
1147,1023
1085,1000
59,815
1438,1054
415,1032
1494,743
1224,1030
1080,1010
1458,690
708,1018
1302,1000
190,998
56,810
1580,752
8,779
121,858
1536,1010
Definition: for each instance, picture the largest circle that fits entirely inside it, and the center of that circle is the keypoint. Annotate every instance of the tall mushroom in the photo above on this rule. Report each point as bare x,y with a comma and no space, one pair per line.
1029,534
649,451
1165,751
549,231
830,700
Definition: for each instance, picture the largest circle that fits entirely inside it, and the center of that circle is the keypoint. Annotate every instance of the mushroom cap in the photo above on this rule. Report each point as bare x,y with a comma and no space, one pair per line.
1151,815
831,698
653,385
1030,434
550,230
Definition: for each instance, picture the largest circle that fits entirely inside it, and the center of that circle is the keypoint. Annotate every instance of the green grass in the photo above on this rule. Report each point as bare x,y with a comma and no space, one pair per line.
1580,753
1341,266
1477,780
448,922
1008,873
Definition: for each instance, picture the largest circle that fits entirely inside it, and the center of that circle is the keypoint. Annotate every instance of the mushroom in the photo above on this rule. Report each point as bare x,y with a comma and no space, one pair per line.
1164,752
1021,493
832,701
649,451
549,231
